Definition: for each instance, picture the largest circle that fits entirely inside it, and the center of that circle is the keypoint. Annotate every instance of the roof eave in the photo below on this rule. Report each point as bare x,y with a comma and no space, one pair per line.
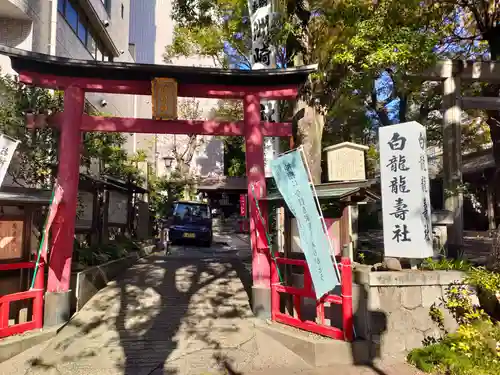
25,61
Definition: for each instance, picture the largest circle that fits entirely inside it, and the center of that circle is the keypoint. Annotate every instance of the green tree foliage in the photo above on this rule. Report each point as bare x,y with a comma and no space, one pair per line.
234,147
36,156
368,53
353,42
165,190
35,161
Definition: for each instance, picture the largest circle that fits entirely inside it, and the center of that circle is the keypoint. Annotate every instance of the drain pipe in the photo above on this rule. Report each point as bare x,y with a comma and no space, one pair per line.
53,28
134,135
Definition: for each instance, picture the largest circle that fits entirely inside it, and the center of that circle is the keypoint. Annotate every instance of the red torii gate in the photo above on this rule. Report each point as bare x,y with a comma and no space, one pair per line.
76,77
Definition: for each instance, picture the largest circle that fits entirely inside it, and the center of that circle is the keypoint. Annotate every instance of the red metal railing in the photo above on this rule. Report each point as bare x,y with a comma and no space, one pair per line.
36,294
345,300
244,225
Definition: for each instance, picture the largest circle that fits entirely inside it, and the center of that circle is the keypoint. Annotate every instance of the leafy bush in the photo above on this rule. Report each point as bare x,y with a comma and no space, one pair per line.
445,264
475,348
95,255
472,350
487,284
484,280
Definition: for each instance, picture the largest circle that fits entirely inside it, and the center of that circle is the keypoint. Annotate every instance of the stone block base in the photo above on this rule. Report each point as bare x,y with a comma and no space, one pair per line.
319,351
57,308
261,302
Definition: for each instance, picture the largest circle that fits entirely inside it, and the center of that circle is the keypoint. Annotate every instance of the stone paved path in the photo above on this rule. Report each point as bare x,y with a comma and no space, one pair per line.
171,315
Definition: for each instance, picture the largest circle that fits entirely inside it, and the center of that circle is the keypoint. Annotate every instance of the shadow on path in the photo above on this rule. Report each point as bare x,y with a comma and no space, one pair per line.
164,316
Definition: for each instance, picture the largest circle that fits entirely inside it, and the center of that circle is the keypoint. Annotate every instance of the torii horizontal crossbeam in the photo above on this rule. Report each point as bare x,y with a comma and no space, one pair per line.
139,125
283,92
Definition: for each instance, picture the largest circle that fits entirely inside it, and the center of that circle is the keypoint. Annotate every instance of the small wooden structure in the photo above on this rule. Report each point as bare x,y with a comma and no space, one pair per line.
346,162
20,309
108,202
297,285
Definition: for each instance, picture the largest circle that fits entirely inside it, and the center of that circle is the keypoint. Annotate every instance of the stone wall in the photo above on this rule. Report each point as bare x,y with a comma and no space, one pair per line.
392,308
85,284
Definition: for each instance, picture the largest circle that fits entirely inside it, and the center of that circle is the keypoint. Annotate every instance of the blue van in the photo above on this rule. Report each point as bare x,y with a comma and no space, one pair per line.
191,221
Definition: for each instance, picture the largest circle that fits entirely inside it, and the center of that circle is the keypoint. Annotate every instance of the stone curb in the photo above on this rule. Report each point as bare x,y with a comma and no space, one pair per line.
14,345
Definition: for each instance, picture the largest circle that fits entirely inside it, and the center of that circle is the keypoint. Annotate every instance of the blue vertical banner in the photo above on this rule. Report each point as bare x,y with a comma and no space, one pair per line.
293,183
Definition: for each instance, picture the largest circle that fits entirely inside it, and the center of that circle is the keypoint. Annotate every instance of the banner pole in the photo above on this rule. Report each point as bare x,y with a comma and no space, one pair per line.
42,242
323,222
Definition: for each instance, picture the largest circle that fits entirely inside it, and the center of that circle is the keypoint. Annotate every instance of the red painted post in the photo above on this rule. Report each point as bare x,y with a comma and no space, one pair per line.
4,314
38,300
254,142
275,296
63,229
346,290
296,305
320,312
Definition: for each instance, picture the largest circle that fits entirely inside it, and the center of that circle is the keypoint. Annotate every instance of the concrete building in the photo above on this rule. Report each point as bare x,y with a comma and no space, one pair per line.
81,29
112,30
151,31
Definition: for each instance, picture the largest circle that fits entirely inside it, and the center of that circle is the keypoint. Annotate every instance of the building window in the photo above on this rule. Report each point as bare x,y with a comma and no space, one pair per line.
107,5
123,10
71,16
60,6
77,20
91,45
99,55
82,30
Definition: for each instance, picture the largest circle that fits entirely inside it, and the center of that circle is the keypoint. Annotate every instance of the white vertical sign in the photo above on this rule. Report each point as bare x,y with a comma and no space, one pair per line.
7,148
263,56
405,191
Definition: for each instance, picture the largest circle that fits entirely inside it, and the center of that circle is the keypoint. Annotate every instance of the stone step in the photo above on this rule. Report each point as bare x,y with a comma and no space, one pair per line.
316,350
14,345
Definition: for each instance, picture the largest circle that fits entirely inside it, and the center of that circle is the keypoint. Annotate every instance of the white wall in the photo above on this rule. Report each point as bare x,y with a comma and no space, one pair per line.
14,33
151,30
118,28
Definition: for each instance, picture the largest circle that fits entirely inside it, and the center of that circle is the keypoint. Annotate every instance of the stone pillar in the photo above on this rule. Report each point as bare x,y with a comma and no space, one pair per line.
452,161
490,204
354,215
254,142
105,218
57,298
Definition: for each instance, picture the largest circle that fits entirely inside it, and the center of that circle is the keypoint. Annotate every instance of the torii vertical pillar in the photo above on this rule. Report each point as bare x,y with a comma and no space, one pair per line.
452,163
57,297
254,144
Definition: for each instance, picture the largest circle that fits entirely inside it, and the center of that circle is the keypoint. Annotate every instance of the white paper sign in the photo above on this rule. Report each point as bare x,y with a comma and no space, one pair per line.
269,112
7,148
405,191
260,22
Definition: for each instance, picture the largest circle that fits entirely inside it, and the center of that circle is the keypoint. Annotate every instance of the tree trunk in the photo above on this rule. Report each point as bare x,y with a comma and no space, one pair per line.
403,107
309,122
493,121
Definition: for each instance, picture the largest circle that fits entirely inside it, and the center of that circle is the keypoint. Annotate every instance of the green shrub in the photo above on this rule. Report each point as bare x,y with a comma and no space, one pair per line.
483,279
475,348
445,264
95,255
472,350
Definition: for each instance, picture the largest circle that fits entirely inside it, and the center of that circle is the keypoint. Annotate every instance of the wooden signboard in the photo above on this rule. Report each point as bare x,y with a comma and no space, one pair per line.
164,98
346,162
11,239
